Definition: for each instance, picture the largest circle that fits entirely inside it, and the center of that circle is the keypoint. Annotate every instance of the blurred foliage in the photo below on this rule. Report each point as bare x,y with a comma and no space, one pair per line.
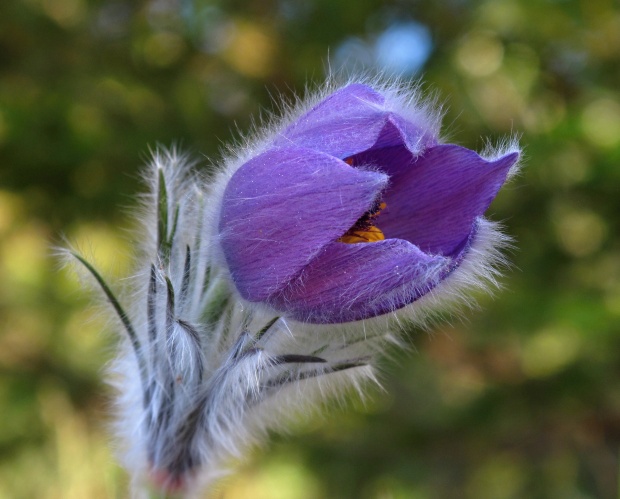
521,400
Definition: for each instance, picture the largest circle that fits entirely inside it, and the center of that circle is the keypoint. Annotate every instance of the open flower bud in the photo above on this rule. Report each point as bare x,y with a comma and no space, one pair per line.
354,210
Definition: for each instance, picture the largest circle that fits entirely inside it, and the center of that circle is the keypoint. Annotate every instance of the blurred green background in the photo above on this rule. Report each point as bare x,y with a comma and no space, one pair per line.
520,400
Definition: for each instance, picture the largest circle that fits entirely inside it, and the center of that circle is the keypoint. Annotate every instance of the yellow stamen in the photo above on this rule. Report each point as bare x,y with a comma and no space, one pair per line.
368,235
364,230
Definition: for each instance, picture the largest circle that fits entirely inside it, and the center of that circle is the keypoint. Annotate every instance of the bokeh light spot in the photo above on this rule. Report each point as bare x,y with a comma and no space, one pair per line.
504,16
498,100
569,166
600,122
163,49
580,232
250,50
403,48
480,54
549,351
23,255
543,114
66,13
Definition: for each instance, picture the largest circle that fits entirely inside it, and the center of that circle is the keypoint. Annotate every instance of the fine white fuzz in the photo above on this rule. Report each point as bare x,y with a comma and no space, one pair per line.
202,375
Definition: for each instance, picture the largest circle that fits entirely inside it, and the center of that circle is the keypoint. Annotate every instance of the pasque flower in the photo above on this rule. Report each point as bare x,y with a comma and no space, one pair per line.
355,209
349,209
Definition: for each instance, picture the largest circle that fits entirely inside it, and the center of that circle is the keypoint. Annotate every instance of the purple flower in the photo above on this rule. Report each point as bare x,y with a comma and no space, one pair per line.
355,209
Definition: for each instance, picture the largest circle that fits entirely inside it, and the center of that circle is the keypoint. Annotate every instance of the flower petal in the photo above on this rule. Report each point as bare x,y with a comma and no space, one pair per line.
280,208
347,122
398,131
348,282
439,194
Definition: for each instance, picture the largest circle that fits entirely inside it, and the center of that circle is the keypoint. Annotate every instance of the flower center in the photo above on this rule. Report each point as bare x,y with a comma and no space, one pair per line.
364,230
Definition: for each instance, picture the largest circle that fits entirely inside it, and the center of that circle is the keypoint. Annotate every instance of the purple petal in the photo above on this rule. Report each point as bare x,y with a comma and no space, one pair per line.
282,207
354,119
398,131
348,282
433,200
347,122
